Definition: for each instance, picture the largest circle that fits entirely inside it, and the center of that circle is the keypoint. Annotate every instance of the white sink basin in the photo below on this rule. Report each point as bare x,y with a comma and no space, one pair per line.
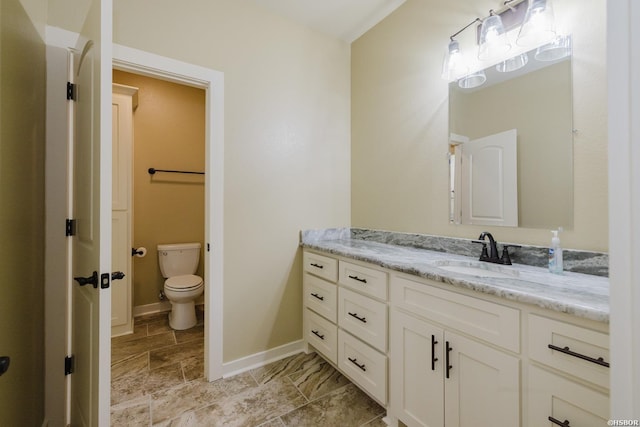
477,269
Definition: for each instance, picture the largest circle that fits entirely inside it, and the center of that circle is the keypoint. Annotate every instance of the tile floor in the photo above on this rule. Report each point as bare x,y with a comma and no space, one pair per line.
157,380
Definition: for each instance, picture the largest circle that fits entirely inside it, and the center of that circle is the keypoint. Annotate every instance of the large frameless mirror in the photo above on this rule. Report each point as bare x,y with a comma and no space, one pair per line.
528,97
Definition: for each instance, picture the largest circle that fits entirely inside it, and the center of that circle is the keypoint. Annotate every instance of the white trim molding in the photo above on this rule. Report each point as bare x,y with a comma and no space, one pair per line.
623,69
152,65
257,360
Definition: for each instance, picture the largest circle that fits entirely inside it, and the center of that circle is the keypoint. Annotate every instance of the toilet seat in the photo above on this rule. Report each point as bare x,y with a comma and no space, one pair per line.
183,283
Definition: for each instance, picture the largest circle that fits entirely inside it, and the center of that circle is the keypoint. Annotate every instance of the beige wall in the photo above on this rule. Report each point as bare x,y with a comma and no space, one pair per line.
400,122
287,156
169,126
22,108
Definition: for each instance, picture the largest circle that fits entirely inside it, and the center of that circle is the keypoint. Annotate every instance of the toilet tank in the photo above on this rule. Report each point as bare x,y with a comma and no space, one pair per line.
176,259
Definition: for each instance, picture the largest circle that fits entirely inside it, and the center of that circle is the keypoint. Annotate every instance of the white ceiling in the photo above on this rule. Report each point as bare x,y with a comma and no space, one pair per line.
344,19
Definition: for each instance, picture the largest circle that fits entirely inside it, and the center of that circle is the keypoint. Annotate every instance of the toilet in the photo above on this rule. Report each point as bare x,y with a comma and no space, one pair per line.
178,263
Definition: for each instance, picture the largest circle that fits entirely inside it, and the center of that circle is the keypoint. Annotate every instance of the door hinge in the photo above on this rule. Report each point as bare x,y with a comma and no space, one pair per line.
71,91
105,280
70,227
69,363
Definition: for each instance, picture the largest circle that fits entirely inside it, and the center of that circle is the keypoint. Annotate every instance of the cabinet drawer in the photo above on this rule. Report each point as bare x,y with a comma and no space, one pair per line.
580,342
322,335
494,323
363,279
364,365
320,296
321,266
551,395
363,317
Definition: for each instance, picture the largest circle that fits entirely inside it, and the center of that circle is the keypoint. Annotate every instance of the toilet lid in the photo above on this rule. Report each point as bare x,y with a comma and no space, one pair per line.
184,282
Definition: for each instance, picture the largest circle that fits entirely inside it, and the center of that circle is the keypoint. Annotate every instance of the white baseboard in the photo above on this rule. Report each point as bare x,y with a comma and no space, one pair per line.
156,307
253,361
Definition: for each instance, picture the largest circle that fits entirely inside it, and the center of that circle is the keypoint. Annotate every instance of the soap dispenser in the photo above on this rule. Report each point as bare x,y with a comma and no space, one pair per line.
555,254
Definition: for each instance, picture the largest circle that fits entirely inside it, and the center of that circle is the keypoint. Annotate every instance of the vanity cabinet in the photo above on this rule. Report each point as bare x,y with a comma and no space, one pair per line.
346,319
435,355
570,385
440,377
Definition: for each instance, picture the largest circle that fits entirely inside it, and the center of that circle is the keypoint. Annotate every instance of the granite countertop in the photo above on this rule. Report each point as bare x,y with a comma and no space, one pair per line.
581,295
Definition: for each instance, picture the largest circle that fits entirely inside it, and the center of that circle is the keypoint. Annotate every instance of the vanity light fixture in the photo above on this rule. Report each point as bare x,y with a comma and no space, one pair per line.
513,63
453,65
493,38
559,47
472,80
538,26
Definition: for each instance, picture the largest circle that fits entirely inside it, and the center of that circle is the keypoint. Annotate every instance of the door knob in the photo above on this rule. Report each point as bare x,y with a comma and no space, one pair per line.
91,280
117,275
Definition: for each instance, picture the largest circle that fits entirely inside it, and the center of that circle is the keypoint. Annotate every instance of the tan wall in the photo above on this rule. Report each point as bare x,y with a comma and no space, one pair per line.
287,152
400,122
169,126
22,132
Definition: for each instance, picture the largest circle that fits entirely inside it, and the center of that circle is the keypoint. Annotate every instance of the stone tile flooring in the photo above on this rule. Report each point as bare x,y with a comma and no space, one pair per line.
157,380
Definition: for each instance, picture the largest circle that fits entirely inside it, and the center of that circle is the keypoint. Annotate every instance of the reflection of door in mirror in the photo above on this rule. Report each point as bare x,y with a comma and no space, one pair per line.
488,193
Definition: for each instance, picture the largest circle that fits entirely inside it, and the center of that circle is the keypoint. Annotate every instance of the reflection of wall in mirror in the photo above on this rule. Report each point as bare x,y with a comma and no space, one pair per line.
539,106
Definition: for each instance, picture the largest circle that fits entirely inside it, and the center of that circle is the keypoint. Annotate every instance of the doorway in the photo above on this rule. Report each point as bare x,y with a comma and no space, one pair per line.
151,65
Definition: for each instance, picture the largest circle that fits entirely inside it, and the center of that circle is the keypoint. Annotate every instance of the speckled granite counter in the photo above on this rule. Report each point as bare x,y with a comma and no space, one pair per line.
581,295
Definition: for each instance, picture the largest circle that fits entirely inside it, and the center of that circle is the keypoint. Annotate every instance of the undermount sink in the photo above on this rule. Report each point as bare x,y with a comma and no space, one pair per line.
477,269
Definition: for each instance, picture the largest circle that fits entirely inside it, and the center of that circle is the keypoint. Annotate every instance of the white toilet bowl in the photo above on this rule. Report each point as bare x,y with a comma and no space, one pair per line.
182,291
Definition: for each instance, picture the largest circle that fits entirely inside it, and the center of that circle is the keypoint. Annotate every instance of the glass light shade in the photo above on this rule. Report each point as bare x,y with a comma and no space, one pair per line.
513,64
472,80
538,26
559,48
453,66
493,39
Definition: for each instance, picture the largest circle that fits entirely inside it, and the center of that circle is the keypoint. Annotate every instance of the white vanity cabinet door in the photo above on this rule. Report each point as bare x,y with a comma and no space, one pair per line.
364,317
321,266
364,279
364,365
576,350
321,296
551,395
482,385
322,335
416,373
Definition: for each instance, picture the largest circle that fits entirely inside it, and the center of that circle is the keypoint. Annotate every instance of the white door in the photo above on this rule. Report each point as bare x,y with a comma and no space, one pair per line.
417,371
482,385
121,230
490,180
91,195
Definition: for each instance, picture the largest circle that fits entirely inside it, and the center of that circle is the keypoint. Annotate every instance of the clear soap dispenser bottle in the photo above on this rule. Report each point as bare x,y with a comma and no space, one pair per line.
555,254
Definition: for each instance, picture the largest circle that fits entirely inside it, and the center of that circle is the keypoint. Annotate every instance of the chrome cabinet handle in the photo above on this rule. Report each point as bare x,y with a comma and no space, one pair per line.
566,350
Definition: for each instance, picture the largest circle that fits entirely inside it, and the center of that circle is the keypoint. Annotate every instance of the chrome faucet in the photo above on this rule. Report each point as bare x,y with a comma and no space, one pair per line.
492,255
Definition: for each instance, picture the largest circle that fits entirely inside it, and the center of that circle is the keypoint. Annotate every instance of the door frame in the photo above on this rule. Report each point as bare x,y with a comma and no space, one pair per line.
212,81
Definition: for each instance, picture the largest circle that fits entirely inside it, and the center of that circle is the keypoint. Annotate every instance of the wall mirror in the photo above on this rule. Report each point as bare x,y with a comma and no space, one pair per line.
536,102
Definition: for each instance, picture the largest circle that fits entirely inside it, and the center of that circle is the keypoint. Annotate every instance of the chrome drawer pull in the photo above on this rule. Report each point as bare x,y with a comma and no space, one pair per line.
321,298
358,279
362,319
558,422
355,362
317,265
316,333
599,361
